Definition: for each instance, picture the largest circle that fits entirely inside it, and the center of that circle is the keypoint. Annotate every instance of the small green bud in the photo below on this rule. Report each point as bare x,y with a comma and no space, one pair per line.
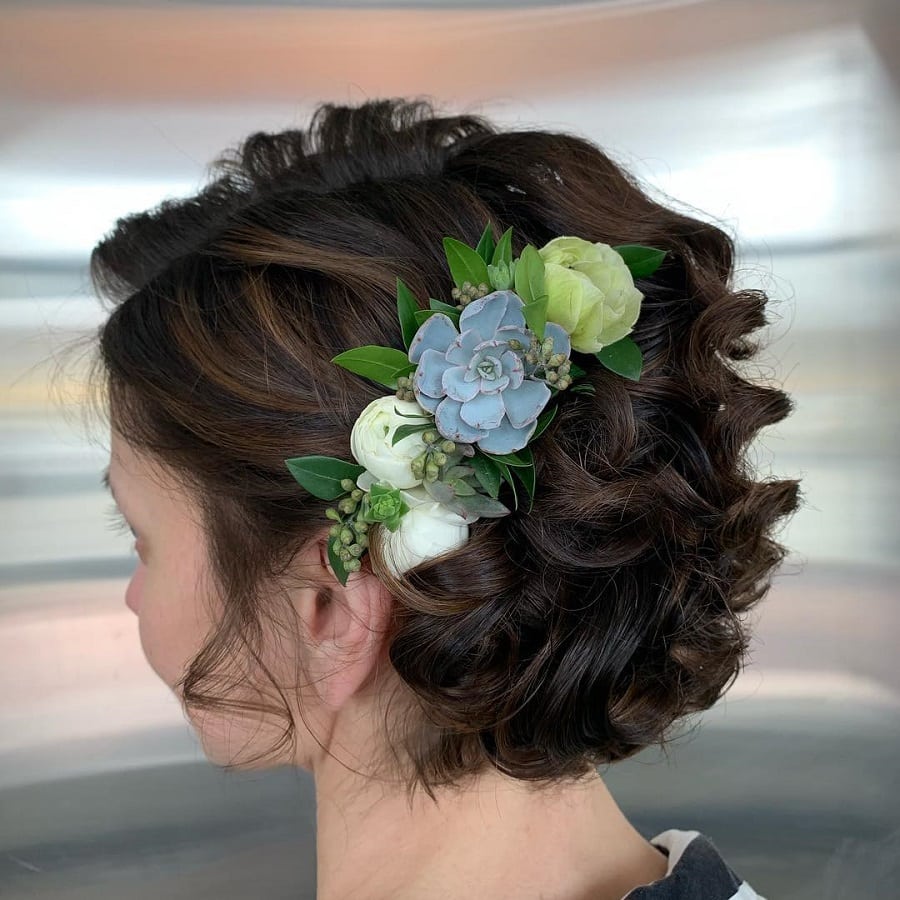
552,377
355,549
547,346
352,565
564,368
448,446
514,344
332,513
439,458
403,381
431,471
346,536
348,484
429,436
356,493
363,541
334,531
345,554
361,526
347,505
455,293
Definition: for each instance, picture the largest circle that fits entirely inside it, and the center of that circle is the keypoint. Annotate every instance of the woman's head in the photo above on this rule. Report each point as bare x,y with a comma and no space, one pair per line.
555,640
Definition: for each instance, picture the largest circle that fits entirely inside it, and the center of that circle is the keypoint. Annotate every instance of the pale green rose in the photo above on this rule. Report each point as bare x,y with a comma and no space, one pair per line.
590,292
370,440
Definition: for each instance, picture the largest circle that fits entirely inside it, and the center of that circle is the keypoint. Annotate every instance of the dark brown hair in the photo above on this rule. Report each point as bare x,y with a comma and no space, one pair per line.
569,637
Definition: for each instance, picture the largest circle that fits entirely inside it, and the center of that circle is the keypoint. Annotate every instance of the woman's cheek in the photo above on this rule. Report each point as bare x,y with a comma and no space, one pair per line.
153,624
135,590
168,620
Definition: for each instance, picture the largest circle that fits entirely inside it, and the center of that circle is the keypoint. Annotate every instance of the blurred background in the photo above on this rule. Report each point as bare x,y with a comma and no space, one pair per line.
779,120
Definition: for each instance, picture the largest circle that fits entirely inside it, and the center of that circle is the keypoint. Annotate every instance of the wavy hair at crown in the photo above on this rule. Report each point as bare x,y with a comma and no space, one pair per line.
551,642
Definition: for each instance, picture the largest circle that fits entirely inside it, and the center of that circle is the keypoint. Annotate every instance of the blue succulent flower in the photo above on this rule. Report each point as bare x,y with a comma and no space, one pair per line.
478,387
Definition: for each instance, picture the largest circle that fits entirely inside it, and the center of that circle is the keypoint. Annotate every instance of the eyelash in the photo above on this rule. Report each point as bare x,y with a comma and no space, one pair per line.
117,522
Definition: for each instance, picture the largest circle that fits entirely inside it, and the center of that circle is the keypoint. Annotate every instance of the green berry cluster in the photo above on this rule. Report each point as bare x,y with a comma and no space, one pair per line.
349,531
427,465
405,388
469,292
555,366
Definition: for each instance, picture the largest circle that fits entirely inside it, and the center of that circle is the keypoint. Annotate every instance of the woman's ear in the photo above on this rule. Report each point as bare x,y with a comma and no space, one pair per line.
345,629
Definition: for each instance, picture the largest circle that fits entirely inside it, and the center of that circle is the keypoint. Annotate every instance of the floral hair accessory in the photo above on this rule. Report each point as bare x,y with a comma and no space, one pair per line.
472,391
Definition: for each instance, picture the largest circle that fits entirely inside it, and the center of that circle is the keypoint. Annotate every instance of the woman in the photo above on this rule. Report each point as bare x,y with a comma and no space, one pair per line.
453,703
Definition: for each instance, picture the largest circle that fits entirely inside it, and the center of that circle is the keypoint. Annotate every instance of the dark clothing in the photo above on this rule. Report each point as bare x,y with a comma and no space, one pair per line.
696,872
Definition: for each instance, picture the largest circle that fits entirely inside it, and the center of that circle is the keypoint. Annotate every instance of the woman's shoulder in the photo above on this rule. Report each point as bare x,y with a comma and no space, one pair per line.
696,871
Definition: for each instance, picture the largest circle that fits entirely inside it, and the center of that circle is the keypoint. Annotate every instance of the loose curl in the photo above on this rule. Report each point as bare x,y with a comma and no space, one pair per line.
552,642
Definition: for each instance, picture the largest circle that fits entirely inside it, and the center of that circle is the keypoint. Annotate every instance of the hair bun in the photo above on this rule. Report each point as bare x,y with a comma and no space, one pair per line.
553,641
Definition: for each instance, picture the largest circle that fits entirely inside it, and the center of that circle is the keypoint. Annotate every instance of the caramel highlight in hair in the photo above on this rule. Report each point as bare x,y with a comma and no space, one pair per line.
551,642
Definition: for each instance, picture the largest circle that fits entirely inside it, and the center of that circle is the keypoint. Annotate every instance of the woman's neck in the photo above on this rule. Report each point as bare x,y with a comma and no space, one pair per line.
499,838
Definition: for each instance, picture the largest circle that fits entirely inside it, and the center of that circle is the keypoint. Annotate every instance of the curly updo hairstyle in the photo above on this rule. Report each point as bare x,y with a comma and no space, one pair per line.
552,642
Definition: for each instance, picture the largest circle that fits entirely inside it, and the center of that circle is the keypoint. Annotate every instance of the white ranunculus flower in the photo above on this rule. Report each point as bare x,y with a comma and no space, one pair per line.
428,529
370,440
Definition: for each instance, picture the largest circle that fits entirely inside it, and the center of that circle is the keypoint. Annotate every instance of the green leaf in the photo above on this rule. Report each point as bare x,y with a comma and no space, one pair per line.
503,250
423,314
485,246
460,487
322,475
459,471
641,261
544,419
382,364
523,457
536,315
406,310
446,308
412,415
439,490
507,475
530,275
465,264
406,430
623,357
575,370
526,476
487,472
530,287
337,564
479,505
